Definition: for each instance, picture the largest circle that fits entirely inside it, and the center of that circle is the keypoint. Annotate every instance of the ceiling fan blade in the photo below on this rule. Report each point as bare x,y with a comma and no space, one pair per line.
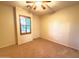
28,6
29,1
34,1
47,1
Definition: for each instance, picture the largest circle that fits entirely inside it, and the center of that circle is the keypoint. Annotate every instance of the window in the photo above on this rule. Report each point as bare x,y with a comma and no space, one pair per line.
25,25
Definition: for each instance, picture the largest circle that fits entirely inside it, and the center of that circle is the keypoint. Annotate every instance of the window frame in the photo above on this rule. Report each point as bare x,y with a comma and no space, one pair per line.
24,25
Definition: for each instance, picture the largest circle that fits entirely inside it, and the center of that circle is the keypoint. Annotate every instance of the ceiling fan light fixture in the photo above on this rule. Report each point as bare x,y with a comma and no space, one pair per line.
43,7
38,3
35,8
28,6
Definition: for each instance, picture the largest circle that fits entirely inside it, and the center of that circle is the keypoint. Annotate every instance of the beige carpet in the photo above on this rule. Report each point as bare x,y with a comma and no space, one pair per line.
39,48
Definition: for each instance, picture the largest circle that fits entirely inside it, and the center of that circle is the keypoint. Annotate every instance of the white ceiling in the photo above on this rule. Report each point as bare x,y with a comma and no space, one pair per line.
53,6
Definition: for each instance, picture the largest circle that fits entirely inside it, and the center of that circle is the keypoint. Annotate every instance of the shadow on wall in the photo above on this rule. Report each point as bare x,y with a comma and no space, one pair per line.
66,33
74,34
59,31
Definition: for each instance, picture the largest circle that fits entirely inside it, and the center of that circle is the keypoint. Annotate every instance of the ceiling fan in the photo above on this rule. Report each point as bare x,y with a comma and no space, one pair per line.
37,4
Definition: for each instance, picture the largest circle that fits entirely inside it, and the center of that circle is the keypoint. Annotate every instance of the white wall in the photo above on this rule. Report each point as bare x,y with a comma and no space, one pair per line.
62,27
7,26
7,32
34,26
22,38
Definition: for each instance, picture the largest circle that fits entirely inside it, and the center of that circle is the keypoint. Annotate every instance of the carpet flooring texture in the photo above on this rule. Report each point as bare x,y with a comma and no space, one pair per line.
39,48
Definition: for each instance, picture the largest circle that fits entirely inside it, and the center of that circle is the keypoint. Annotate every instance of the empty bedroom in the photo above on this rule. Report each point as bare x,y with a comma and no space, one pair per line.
39,29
